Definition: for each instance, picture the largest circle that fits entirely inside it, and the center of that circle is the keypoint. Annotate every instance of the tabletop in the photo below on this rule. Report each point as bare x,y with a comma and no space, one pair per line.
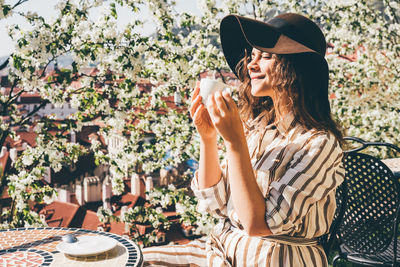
393,164
33,247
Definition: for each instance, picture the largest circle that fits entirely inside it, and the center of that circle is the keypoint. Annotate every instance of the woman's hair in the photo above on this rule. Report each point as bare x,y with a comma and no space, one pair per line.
298,86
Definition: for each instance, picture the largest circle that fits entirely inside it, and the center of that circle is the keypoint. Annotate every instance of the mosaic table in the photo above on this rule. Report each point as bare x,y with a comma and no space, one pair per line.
393,164
33,247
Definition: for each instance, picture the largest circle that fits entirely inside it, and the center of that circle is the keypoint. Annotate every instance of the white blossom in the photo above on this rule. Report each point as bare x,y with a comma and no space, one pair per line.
365,90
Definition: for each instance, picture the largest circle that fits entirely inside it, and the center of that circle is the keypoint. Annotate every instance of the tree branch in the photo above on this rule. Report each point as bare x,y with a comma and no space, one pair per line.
5,63
10,100
254,11
27,117
220,74
45,67
20,2
11,91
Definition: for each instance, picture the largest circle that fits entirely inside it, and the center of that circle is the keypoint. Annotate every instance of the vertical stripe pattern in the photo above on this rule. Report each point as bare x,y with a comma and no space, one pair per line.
298,171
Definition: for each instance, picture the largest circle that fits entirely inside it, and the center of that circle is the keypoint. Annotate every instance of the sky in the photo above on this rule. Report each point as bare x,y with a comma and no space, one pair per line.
45,9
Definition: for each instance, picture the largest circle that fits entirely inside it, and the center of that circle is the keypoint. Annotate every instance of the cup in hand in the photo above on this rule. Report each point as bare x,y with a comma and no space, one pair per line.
210,86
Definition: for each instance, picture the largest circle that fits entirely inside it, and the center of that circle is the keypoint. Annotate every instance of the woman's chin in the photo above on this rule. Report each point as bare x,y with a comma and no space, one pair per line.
257,87
255,92
259,91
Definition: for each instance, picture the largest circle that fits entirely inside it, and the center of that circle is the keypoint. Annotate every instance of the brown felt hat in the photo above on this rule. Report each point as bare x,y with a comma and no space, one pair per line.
286,33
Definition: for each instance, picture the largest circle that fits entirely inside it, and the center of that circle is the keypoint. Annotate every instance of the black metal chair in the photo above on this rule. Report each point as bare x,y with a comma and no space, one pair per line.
367,233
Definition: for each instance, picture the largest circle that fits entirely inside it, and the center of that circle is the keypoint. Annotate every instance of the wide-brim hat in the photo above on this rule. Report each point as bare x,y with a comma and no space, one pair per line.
286,33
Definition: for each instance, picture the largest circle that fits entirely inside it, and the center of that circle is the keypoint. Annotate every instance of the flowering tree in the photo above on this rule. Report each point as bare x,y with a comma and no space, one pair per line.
365,91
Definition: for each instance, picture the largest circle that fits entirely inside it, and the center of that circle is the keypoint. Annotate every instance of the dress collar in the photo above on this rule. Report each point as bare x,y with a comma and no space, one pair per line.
286,123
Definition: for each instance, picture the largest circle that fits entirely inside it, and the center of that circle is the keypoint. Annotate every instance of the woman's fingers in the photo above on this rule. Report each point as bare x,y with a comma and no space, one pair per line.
196,91
227,97
220,102
198,115
216,105
211,106
229,100
194,105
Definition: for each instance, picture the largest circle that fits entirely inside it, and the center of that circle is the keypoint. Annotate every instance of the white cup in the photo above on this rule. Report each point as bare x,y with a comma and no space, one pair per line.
210,86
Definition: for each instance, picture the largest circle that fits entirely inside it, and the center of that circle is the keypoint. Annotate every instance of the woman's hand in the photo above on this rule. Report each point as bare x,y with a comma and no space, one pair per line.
224,115
201,117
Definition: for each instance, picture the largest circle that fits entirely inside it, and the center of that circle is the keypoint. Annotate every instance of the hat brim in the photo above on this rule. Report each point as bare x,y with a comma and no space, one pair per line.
239,34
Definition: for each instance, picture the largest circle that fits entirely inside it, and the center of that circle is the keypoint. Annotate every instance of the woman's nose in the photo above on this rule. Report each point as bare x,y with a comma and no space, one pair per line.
253,65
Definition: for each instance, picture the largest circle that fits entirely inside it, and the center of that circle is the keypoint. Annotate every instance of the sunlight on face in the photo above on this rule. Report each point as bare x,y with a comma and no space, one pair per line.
260,71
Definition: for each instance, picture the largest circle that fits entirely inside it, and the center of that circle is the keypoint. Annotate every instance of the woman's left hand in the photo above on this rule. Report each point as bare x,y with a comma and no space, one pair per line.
225,116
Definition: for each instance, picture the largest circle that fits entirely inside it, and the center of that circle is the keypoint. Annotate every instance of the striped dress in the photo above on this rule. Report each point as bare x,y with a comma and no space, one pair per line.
297,171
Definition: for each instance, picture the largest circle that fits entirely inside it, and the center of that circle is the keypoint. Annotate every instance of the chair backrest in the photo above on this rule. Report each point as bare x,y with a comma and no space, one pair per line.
372,202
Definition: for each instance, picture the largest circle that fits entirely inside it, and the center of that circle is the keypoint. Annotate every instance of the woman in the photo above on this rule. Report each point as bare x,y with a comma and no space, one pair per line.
276,193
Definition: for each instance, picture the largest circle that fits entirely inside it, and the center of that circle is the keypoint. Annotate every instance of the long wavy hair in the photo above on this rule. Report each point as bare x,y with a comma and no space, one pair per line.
298,88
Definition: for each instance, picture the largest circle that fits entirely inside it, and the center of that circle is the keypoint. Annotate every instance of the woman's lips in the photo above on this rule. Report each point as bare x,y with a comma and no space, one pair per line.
257,77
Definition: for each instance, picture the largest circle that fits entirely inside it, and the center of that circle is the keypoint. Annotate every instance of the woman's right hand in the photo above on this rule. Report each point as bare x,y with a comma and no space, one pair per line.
200,116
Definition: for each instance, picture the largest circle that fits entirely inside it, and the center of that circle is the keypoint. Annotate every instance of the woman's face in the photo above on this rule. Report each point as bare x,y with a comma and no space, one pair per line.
260,71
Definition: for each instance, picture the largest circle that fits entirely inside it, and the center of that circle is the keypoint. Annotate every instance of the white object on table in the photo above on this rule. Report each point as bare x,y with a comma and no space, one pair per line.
87,245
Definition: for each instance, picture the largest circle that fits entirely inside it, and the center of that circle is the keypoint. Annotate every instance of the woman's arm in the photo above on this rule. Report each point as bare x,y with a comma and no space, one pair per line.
209,172
207,184
247,198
